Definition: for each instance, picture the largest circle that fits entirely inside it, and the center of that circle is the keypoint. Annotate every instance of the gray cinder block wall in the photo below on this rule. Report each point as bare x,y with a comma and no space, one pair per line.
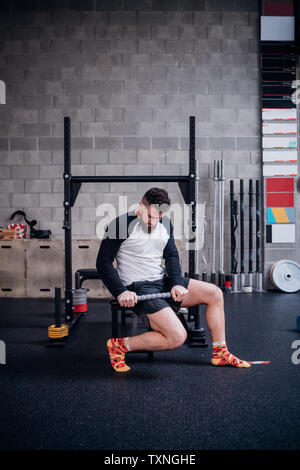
129,73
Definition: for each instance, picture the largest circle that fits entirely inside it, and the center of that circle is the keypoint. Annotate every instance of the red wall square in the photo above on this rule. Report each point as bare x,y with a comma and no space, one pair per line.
279,184
280,199
278,9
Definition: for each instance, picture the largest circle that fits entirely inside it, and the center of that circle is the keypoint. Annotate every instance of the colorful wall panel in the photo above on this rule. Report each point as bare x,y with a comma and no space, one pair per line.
284,233
280,210
272,142
279,155
280,215
280,170
279,128
279,114
279,122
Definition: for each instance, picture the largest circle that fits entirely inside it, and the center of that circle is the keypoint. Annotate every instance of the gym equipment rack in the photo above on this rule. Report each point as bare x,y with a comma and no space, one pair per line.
72,184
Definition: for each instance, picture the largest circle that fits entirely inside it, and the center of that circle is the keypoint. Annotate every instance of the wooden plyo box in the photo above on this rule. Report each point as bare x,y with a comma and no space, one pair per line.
12,268
44,267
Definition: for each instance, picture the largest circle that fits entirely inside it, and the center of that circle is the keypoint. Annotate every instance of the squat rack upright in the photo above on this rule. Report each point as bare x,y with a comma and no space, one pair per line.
72,185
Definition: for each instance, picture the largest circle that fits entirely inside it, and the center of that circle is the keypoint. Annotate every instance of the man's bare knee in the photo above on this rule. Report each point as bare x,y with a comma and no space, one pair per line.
176,338
217,295
169,326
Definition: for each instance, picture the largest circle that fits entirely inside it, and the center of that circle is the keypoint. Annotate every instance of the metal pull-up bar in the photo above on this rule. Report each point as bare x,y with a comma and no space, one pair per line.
130,179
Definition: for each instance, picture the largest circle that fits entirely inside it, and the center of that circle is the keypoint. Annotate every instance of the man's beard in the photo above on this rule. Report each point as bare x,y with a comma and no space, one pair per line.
145,227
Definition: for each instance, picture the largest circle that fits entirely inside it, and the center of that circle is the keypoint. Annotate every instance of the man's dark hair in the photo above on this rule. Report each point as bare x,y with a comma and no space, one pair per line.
158,197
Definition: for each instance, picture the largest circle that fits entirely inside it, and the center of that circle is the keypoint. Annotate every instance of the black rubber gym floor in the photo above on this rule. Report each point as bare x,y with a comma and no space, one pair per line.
70,398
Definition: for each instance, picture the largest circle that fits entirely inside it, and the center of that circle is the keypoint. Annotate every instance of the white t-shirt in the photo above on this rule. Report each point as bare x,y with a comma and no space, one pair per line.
139,256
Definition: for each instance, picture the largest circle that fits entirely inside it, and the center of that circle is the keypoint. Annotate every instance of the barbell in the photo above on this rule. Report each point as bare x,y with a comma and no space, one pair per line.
162,295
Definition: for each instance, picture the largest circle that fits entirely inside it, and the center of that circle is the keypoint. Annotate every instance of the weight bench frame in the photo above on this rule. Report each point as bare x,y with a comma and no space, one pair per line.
82,275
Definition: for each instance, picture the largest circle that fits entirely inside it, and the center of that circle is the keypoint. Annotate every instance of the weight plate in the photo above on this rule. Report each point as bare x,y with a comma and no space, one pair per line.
285,275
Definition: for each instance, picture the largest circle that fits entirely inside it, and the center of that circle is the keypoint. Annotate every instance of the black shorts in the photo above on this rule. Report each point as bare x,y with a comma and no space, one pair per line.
153,287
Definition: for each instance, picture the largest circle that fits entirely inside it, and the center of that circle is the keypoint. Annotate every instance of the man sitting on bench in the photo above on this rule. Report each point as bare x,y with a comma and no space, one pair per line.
138,241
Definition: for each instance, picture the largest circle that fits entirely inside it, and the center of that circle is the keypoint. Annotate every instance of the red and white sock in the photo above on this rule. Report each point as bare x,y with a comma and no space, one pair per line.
117,348
222,357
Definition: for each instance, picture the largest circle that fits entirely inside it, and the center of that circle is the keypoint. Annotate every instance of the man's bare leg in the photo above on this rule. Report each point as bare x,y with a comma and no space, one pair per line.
168,333
210,294
205,293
